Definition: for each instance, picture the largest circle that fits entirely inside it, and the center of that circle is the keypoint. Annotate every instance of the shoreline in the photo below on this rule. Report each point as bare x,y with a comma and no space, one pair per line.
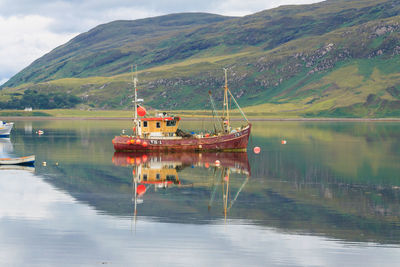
38,118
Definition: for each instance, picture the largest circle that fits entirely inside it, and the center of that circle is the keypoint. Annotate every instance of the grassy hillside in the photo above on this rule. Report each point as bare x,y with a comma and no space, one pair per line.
337,58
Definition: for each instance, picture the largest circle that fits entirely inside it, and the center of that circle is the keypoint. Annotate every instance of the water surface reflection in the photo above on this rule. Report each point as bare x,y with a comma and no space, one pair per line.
330,195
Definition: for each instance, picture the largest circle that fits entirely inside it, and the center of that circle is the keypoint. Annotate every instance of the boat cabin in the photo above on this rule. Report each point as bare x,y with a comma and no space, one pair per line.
161,176
161,126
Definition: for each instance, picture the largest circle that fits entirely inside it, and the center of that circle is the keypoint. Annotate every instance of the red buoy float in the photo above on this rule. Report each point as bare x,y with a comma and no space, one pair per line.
141,111
138,141
257,150
144,144
141,189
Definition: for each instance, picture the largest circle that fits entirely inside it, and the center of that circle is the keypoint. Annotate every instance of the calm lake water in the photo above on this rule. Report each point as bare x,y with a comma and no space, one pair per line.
330,196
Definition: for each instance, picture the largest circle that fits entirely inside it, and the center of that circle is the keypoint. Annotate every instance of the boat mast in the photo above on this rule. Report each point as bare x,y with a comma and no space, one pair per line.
226,104
135,100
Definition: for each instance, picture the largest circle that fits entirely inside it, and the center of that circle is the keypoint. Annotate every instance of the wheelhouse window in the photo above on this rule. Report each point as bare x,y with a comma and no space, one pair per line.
145,124
158,124
171,123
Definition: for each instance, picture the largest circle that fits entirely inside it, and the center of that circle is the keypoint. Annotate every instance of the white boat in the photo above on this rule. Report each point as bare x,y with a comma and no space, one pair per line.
6,147
5,128
17,168
28,160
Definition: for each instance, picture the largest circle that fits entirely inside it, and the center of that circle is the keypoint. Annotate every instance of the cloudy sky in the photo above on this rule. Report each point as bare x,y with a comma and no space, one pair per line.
31,28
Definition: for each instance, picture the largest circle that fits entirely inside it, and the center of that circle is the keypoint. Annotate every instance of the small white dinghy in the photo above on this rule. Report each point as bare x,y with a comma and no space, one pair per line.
5,128
28,160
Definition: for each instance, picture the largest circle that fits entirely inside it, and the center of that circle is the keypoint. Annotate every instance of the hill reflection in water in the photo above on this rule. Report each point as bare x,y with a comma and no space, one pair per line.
338,180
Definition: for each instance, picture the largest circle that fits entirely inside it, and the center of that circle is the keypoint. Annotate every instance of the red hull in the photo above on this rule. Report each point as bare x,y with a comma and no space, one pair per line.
188,158
229,142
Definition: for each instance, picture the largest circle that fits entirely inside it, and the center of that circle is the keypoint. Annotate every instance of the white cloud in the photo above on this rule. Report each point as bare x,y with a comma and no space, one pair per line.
35,199
242,8
24,39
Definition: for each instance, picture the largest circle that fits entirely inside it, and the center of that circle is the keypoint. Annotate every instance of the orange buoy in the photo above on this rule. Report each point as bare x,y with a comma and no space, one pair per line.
207,165
257,150
138,160
283,142
144,158
144,144
132,141
141,189
141,111
133,172
138,141
128,142
207,135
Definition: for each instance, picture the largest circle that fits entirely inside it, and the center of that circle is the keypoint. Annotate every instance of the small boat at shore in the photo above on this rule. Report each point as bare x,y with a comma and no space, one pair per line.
5,128
29,168
161,132
27,161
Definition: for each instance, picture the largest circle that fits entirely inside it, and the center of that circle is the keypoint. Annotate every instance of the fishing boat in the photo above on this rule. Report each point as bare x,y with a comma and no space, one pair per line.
161,170
28,160
162,133
5,128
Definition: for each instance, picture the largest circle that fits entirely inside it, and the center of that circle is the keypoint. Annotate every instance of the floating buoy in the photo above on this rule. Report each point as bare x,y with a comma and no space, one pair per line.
132,141
144,158
141,111
133,172
40,132
207,165
138,141
138,160
257,150
217,162
144,144
141,189
283,142
44,163
207,135
128,142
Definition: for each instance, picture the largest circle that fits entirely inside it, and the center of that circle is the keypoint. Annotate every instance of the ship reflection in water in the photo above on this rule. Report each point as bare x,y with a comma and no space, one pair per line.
155,171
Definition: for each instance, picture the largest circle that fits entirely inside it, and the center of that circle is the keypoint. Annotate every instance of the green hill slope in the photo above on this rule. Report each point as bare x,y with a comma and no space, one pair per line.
335,58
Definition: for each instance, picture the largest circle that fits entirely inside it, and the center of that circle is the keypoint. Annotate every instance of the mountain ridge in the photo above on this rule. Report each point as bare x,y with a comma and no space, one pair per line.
283,60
